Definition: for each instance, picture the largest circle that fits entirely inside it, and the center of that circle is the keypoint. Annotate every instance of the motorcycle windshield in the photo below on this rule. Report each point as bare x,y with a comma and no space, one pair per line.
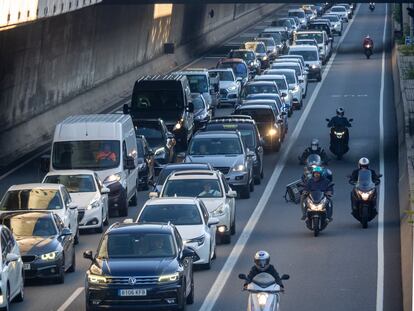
312,159
365,182
263,280
317,196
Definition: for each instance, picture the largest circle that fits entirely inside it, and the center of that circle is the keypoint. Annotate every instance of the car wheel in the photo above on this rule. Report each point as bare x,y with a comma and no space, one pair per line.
72,268
276,145
257,180
319,78
123,211
133,200
225,238
106,221
76,238
233,226
20,295
251,185
340,33
7,306
60,279
190,297
101,227
245,192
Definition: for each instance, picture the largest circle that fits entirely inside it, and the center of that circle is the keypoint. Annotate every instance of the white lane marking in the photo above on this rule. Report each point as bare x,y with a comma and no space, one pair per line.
71,299
381,206
238,248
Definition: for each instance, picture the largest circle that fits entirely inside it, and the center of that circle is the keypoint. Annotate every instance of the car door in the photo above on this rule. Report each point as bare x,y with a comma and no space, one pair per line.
103,198
184,262
65,241
8,243
211,230
71,213
229,201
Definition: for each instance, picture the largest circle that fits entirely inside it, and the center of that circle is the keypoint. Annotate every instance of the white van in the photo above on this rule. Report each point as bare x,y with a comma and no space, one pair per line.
104,143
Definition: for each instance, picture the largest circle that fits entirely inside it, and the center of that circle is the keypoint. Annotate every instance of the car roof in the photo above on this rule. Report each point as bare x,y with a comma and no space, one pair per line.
254,106
269,77
41,186
187,165
280,64
257,102
303,48
217,133
194,175
70,172
238,120
221,69
261,95
269,71
260,82
139,227
172,200
232,60
27,214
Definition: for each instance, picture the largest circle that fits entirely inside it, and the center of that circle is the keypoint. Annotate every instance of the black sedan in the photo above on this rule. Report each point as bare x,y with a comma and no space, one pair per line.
160,140
202,111
46,245
146,172
140,267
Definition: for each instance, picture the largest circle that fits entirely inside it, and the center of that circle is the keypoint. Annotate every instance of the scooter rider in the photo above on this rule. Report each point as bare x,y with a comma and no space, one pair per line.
339,121
262,264
316,161
314,149
317,183
363,164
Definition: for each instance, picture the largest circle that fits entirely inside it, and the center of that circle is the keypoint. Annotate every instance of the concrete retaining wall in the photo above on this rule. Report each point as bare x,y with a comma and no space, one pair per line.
87,60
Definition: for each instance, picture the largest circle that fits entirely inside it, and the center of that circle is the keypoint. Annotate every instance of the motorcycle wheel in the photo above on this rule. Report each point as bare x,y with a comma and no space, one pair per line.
368,56
315,225
364,218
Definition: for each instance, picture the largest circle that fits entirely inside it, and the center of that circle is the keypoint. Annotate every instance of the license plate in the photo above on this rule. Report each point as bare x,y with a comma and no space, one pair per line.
132,292
26,266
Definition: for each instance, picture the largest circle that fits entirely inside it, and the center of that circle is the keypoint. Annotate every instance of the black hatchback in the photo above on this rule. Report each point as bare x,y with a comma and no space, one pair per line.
140,267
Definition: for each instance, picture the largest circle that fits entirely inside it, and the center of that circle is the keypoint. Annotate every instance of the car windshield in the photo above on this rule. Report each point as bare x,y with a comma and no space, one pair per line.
202,188
167,170
152,133
289,75
73,183
297,14
338,9
245,55
281,84
332,18
259,115
285,66
198,83
307,55
136,245
177,214
313,35
156,103
277,36
86,154
31,199
198,103
239,69
257,88
215,146
30,226
305,42
268,41
246,130
226,76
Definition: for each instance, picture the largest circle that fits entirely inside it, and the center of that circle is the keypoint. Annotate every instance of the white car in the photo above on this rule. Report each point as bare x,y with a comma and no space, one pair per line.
191,218
341,11
88,193
43,197
336,23
302,73
229,85
312,60
212,188
11,265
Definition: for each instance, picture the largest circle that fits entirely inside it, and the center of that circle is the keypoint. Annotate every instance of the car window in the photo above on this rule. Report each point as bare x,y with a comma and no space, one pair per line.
9,238
31,199
215,146
204,212
59,223
177,214
178,239
202,188
225,184
72,183
66,196
31,226
4,246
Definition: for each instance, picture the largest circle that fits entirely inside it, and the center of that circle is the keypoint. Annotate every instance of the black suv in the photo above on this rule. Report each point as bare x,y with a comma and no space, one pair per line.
140,266
250,135
167,97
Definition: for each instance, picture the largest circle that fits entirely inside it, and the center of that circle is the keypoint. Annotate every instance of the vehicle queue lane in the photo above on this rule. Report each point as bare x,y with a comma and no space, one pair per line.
40,295
338,269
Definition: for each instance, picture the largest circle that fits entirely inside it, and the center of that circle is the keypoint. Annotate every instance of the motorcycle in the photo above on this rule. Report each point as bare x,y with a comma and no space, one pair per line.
264,292
339,140
364,196
368,50
372,7
316,211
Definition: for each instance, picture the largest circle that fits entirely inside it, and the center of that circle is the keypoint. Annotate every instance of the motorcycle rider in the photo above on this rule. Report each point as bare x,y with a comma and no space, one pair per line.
317,183
368,40
339,121
262,264
316,161
314,149
363,164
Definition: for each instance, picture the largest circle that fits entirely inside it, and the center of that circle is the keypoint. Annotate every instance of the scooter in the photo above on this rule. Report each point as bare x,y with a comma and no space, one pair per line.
316,211
339,140
364,197
368,50
264,292
372,7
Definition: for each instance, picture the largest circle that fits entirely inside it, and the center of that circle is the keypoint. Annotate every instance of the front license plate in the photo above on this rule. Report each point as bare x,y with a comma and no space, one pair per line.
26,266
132,292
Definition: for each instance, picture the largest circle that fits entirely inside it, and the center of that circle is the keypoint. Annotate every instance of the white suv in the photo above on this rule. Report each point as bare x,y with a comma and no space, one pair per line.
43,197
212,188
88,193
191,218
11,265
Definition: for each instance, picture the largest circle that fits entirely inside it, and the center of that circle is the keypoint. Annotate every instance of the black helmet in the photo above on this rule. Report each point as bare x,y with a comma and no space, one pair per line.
340,112
262,260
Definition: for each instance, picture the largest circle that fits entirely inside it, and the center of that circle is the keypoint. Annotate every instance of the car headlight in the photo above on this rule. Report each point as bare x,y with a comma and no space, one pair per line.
94,204
49,256
265,58
232,88
112,179
96,279
272,132
239,168
168,277
199,240
314,66
262,299
177,126
219,211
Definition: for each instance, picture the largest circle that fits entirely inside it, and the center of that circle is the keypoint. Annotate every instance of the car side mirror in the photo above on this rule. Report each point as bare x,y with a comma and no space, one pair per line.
45,163
125,109
129,163
66,232
188,252
285,277
72,205
190,107
284,94
88,255
105,190
242,276
153,195
212,221
231,194
11,257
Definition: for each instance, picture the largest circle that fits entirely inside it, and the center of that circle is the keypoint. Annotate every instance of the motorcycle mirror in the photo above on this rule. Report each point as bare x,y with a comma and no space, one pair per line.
350,120
380,175
285,277
327,120
242,276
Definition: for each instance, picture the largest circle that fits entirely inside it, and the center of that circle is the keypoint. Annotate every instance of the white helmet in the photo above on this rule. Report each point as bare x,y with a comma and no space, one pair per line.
315,144
363,163
262,260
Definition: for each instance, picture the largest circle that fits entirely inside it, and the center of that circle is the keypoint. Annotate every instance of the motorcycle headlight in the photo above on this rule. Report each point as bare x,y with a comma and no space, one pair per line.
339,134
264,58
168,278
177,126
49,256
199,240
365,195
96,279
219,211
272,132
93,204
239,168
262,299
316,207
232,88
112,179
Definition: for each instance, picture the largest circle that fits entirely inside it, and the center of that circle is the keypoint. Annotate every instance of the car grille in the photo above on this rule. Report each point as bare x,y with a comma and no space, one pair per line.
224,170
81,213
28,258
139,280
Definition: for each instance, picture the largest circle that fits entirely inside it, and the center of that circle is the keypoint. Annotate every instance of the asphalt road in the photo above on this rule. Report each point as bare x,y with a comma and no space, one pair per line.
339,269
